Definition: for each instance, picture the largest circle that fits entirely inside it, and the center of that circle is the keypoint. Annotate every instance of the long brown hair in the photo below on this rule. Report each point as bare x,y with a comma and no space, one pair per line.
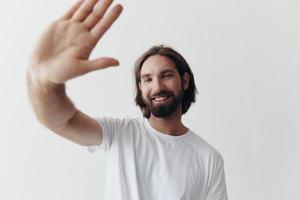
181,66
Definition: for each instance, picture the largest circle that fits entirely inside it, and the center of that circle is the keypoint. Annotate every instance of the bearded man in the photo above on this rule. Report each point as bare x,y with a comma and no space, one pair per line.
155,157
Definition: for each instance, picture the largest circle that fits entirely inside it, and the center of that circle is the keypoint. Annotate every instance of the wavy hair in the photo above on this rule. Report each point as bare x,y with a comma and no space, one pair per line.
181,66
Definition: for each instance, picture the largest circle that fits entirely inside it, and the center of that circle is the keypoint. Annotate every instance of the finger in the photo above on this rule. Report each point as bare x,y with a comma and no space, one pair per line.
84,10
103,25
97,13
72,10
99,63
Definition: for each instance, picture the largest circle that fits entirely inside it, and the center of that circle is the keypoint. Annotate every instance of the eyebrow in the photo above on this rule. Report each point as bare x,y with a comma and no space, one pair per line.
162,72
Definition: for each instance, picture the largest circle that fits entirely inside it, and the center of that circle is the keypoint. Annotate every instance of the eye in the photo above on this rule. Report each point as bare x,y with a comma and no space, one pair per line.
167,76
147,80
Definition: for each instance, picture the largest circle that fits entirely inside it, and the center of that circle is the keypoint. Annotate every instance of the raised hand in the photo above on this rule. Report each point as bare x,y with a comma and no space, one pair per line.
63,51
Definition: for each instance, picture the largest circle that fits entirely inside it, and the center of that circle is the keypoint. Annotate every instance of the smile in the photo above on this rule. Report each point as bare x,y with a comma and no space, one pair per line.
160,99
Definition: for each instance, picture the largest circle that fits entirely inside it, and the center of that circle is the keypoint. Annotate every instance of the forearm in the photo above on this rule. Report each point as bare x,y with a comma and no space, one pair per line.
49,101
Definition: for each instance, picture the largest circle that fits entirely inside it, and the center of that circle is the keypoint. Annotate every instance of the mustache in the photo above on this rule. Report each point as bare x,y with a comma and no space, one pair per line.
162,93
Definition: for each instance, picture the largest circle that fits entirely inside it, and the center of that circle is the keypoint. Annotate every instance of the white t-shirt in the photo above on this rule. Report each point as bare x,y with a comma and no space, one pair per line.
145,164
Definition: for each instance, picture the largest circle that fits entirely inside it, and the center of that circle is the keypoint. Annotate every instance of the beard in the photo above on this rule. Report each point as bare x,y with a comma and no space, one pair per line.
164,109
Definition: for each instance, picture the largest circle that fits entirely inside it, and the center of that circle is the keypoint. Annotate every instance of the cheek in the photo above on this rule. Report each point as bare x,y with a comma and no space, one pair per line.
144,91
176,86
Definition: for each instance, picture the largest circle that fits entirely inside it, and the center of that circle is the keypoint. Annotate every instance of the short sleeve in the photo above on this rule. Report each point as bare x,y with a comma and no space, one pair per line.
110,128
217,188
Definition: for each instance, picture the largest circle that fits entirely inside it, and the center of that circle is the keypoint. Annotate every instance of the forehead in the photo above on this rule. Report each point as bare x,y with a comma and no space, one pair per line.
156,64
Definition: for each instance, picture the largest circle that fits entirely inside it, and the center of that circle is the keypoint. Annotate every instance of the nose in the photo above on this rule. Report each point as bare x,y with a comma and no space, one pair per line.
157,86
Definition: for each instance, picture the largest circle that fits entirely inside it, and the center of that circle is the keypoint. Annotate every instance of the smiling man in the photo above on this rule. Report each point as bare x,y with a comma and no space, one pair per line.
161,85
155,157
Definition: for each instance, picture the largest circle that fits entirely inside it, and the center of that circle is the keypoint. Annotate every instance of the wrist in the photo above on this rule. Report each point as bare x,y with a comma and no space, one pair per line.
34,81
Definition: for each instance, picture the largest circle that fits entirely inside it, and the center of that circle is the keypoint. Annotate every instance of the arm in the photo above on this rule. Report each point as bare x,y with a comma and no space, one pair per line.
217,189
62,54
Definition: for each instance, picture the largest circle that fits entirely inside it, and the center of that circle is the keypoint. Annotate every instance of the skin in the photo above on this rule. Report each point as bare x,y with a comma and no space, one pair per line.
158,73
62,53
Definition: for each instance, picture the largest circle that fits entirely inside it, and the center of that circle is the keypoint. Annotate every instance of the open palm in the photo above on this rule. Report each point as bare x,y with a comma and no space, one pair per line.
63,50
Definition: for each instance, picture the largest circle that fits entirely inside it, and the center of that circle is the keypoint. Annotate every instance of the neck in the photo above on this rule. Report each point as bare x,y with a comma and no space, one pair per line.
171,125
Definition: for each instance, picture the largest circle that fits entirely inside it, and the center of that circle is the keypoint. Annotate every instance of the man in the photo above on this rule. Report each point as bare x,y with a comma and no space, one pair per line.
152,158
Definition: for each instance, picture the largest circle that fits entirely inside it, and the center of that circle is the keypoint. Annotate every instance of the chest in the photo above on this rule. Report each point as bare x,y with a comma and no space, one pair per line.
169,170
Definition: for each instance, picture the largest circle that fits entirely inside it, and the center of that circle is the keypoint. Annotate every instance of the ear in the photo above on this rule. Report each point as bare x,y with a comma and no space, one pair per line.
186,80
140,86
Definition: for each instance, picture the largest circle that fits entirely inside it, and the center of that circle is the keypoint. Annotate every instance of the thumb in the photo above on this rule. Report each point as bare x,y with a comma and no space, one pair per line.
99,63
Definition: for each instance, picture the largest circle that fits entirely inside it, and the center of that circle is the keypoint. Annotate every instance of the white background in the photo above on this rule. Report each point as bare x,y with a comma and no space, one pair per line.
245,58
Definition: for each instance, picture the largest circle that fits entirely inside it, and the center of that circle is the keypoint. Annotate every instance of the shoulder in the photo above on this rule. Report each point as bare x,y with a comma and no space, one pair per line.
122,122
118,129
204,148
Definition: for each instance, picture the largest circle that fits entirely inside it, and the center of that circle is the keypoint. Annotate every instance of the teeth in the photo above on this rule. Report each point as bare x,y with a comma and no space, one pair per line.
160,98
